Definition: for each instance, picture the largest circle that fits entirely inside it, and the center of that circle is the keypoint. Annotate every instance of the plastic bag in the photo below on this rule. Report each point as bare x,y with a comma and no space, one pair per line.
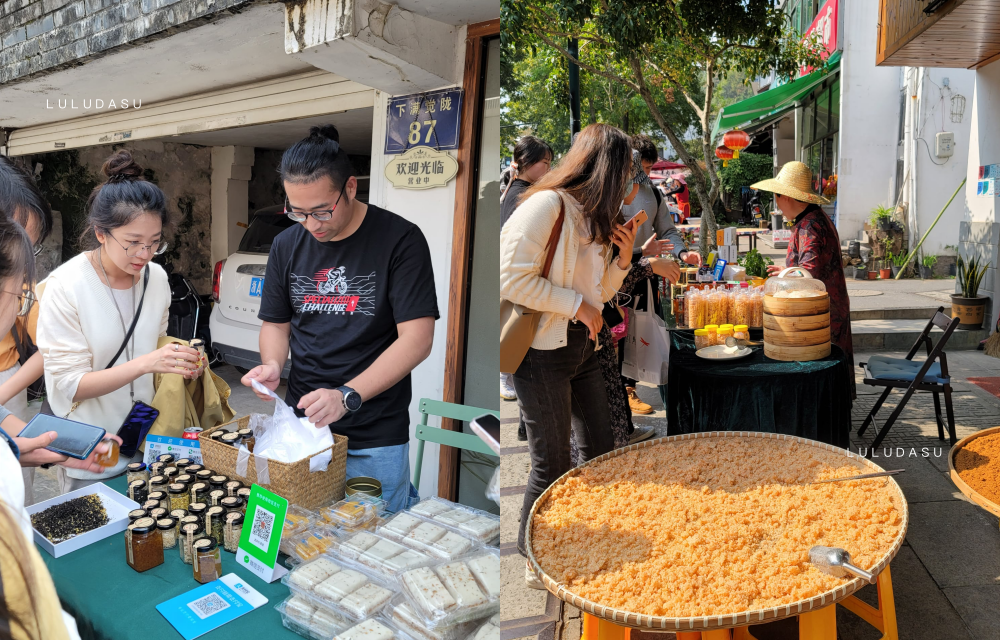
289,438
647,347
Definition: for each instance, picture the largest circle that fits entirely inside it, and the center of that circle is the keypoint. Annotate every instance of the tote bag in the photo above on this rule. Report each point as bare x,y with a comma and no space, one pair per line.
647,346
518,324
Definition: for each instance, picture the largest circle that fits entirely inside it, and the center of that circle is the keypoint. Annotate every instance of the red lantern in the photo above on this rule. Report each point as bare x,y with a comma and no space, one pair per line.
736,140
724,153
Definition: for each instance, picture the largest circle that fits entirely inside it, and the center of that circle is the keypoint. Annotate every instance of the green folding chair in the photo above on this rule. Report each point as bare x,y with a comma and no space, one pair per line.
426,433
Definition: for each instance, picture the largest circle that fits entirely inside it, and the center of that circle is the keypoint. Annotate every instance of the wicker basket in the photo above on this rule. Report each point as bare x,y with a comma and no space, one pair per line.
742,618
292,481
966,490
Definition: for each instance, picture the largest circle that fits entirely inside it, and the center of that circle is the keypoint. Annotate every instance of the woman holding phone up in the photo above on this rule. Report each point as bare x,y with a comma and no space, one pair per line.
93,374
559,383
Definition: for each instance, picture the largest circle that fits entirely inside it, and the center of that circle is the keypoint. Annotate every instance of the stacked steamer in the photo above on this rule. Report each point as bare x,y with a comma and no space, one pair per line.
796,317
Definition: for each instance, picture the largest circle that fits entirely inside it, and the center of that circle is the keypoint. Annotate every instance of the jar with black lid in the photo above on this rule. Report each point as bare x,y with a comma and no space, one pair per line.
232,504
218,481
158,483
213,522
178,514
156,468
188,519
204,475
194,468
168,531
138,491
207,561
232,531
245,494
183,464
246,434
184,478
161,496
199,492
217,435
189,534
170,472
232,439
232,486
158,513
136,471
216,495
166,458
197,509
136,514
150,504
179,496
143,545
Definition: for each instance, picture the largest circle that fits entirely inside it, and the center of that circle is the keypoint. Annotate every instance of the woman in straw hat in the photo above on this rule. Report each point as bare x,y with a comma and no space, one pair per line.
815,245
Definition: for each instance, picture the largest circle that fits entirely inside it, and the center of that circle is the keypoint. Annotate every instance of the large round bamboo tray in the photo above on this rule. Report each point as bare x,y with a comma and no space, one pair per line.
737,619
797,306
797,338
797,354
968,491
796,323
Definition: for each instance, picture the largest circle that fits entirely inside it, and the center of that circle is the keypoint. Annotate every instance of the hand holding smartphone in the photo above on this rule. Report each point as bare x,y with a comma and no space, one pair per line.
75,439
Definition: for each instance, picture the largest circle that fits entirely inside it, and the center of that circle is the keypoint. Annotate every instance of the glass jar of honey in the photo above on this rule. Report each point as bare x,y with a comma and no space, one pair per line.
207,560
110,457
143,545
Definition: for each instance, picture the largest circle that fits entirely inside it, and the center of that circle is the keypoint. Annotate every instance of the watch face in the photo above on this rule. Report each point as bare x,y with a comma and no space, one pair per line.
352,401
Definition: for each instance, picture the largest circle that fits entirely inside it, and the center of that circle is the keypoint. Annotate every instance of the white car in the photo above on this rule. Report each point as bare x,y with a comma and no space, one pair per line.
237,284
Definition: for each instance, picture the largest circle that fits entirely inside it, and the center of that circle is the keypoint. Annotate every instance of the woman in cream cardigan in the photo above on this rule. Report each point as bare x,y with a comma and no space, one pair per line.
559,384
90,301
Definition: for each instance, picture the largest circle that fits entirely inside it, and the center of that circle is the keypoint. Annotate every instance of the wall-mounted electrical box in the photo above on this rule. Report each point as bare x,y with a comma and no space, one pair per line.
944,144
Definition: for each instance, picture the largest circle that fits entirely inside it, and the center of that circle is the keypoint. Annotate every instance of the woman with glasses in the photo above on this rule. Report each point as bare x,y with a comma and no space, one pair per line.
22,202
90,302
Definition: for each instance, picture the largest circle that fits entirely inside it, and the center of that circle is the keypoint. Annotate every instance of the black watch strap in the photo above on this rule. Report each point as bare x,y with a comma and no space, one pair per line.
352,399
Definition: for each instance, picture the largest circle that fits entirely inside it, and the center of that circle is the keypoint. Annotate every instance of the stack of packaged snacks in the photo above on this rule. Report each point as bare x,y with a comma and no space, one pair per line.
454,592
481,526
346,589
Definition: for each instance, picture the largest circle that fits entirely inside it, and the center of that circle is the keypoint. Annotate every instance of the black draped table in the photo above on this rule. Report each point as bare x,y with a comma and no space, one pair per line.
806,399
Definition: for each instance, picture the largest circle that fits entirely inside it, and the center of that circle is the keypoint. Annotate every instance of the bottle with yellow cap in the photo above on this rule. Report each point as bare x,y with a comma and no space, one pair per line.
701,339
711,331
724,332
741,332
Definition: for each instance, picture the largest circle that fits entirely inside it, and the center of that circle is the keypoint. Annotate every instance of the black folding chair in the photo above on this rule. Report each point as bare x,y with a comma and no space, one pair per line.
903,373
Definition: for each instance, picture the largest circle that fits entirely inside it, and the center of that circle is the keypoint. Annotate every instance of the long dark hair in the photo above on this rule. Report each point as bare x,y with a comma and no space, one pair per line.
318,155
123,197
21,199
597,171
17,260
530,150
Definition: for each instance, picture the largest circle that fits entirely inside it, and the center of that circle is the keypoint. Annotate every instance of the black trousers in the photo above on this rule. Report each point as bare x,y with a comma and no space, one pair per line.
559,391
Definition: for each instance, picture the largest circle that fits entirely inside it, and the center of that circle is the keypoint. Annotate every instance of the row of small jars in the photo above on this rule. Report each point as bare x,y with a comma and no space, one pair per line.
713,335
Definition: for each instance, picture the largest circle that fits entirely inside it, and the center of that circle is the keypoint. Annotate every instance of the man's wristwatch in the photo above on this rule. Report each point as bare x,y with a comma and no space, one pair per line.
352,399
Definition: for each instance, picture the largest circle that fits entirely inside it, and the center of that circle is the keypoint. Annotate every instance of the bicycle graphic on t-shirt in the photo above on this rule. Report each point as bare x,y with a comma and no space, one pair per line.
330,291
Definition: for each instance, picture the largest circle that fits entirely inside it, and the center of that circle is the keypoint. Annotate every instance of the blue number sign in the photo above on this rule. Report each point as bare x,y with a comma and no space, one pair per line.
423,120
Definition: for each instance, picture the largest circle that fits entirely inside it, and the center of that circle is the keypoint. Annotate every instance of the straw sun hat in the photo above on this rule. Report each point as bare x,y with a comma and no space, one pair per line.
794,180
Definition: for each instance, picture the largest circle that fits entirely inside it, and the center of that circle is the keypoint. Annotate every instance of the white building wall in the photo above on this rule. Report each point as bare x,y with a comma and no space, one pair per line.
937,178
869,120
980,229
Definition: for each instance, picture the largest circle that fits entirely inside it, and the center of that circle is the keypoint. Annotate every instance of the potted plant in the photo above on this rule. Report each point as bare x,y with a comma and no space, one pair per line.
881,218
755,264
860,272
872,270
898,262
886,271
927,267
969,305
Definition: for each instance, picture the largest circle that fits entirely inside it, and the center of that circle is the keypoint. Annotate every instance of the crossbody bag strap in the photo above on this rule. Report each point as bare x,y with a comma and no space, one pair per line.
22,352
550,247
135,319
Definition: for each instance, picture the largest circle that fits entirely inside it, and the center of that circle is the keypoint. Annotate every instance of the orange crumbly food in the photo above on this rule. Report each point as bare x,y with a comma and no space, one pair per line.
978,464
711,527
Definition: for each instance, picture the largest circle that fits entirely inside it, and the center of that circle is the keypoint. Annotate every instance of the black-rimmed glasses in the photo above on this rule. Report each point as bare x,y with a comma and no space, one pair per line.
319,216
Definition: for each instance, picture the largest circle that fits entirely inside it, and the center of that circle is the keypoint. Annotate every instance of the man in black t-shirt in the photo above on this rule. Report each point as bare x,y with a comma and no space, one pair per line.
350,291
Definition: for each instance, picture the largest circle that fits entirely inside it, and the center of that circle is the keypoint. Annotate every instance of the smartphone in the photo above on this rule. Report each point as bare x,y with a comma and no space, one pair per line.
135,427
638,219
487,427
75,439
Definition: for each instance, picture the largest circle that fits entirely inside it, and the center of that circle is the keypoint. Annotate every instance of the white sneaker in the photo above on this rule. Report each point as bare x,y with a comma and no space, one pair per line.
640,434
531,580
507,391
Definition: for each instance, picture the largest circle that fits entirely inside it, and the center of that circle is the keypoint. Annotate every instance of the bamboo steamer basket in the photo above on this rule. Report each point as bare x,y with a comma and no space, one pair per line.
968,491
796,329
796,323
725,621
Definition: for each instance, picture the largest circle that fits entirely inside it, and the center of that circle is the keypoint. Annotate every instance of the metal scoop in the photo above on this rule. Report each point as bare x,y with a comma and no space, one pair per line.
837,562
863,476
733,342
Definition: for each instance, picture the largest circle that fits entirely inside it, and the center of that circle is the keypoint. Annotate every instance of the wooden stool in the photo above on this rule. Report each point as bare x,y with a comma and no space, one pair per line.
820,624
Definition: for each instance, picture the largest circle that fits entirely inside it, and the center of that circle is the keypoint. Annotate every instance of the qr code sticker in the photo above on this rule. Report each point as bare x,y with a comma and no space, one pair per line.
208,606
260,533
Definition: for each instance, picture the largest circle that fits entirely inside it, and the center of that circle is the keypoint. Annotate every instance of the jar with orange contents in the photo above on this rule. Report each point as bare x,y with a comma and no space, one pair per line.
741,332
711,333
701,339
724,332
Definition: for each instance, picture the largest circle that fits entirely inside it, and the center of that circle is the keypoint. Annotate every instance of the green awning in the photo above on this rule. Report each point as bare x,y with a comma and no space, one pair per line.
773,101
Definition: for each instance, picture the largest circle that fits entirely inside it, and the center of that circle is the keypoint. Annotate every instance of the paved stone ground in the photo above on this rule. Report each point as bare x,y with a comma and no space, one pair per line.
946,577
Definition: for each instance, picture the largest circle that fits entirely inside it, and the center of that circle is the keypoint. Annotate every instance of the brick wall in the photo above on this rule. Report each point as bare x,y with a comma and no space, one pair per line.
42,36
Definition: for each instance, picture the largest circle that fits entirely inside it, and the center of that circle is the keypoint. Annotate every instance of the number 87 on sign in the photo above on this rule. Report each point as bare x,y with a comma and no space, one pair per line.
423,119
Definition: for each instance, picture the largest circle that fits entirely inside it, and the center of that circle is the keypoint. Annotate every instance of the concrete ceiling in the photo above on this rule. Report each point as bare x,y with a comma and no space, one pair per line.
355,127
453,11
235,50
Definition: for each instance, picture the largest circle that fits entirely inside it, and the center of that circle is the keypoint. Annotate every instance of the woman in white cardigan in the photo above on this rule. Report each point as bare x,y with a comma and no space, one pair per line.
559,384
90,301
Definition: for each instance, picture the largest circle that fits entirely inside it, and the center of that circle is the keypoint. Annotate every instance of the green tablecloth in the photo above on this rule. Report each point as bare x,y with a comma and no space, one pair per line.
806,399
110,601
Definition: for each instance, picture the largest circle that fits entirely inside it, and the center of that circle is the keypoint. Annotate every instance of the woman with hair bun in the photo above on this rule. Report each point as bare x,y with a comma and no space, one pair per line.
92,373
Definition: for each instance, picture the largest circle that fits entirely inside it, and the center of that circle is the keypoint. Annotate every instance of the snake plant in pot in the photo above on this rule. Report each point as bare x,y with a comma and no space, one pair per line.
969,305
